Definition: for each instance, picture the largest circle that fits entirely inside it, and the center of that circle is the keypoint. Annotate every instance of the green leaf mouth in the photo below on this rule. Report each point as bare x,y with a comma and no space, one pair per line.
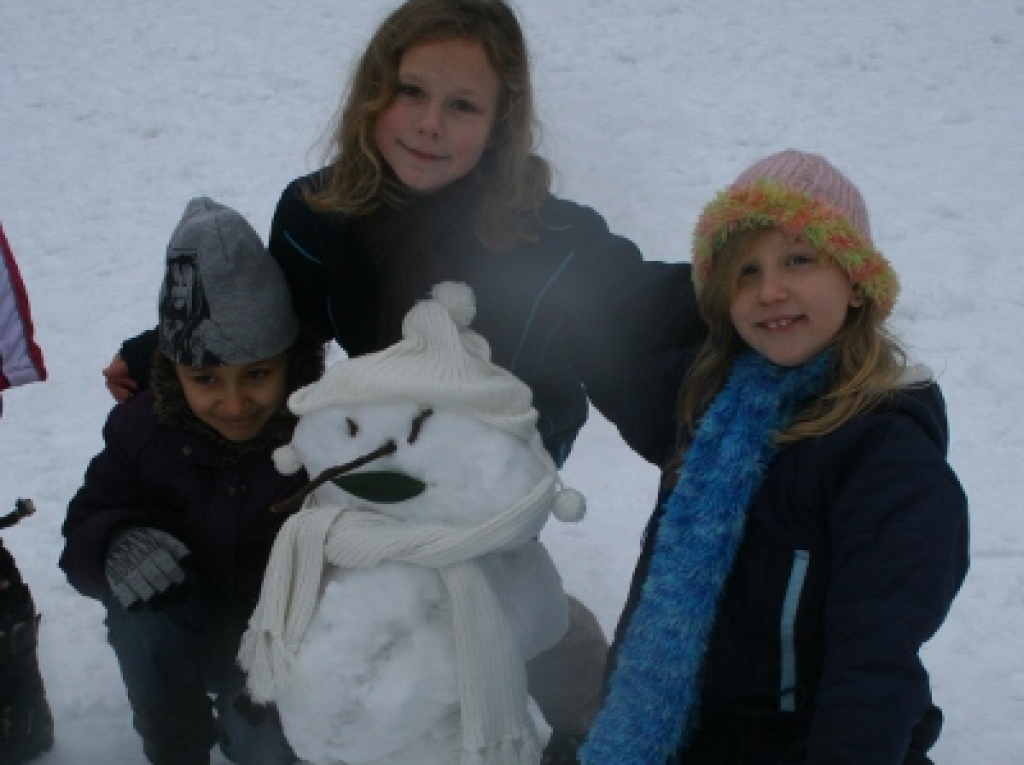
380,486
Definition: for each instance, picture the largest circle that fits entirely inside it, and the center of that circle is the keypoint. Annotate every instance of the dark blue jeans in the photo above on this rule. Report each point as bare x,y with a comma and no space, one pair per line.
177,651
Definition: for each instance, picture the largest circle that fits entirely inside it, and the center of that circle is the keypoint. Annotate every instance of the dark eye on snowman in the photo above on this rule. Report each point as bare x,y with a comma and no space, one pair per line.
353,428
417,425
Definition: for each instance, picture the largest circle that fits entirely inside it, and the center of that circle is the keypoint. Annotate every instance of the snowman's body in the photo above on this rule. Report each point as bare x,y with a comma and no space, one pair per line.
376,673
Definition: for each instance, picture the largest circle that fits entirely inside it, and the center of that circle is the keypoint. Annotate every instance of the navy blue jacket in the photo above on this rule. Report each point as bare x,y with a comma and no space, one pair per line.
217,501
566,311
853,550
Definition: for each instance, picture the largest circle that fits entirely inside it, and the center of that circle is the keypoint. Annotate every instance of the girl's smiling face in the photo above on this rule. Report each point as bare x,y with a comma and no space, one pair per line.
789,303
236,400
440,122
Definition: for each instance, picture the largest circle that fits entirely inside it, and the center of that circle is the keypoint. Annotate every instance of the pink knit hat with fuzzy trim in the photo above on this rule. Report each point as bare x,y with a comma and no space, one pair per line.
802,194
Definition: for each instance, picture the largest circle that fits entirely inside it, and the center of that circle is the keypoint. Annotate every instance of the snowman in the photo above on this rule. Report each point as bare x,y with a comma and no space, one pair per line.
402,601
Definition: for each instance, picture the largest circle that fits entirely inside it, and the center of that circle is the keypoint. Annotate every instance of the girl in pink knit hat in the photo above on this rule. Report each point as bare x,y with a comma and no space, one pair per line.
809,535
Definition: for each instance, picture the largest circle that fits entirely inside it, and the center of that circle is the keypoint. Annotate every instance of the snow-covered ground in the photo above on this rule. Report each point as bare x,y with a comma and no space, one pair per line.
113,113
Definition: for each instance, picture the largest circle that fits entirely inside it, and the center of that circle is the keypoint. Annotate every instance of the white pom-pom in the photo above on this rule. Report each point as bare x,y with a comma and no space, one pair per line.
569,506
286,460
458,299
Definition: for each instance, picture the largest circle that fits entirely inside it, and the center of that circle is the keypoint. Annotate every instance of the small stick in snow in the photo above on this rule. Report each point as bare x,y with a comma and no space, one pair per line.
22,509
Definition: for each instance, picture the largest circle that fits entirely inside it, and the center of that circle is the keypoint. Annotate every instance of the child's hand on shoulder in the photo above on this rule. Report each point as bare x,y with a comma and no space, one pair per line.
119,380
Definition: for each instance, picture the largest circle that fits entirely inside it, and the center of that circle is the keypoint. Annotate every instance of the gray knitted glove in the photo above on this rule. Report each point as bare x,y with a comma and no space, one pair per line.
143,562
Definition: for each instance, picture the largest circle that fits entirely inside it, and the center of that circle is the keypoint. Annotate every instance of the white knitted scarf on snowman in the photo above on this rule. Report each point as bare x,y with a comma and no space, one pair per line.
496,724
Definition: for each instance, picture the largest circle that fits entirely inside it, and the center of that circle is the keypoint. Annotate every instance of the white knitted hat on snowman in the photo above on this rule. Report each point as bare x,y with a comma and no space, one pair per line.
440,362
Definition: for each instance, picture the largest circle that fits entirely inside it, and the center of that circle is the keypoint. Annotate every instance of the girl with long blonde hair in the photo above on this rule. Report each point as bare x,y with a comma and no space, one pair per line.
810,535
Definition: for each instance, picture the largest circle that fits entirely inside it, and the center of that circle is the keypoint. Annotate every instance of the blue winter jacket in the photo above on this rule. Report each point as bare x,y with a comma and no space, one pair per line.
853,551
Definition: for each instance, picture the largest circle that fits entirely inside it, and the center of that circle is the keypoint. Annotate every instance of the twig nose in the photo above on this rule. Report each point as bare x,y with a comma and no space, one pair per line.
294,502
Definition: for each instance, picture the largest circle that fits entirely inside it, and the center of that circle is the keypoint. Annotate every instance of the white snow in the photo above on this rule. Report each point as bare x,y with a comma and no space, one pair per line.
114,113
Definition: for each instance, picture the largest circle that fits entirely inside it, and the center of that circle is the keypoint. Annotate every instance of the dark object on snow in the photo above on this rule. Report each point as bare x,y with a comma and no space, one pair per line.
26,724
22,509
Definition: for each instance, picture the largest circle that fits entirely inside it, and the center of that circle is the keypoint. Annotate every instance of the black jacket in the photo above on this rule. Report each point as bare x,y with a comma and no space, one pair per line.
566,312
853,550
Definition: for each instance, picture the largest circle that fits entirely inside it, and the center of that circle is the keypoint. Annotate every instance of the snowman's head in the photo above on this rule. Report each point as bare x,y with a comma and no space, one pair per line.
426,430
415,463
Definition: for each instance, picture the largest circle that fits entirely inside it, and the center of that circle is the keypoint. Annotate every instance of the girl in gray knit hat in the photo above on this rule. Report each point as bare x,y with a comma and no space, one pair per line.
172,527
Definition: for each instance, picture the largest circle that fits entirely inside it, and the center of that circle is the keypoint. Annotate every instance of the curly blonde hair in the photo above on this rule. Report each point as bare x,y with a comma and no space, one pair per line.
516,179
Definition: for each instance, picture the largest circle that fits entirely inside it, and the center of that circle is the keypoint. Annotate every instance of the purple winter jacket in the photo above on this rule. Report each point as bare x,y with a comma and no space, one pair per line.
151,474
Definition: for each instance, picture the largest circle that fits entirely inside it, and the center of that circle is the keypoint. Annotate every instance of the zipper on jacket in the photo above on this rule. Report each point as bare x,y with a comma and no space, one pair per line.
787,623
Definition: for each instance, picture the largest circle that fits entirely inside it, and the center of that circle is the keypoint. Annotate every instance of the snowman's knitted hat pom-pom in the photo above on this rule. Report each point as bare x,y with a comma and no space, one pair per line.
458,300
569,506
287,460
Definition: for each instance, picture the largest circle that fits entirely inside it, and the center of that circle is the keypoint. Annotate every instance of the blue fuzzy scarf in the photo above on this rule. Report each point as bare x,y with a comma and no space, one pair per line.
653,690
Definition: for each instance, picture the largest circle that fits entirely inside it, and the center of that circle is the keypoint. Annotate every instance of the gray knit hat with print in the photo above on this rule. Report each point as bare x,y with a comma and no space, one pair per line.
224,299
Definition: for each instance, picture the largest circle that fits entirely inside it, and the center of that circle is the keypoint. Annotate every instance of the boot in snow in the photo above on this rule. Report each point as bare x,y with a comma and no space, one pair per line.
179,732
26,725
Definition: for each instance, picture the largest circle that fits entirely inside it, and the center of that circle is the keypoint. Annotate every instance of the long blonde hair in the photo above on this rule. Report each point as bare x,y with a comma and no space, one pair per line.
516,179
868,362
